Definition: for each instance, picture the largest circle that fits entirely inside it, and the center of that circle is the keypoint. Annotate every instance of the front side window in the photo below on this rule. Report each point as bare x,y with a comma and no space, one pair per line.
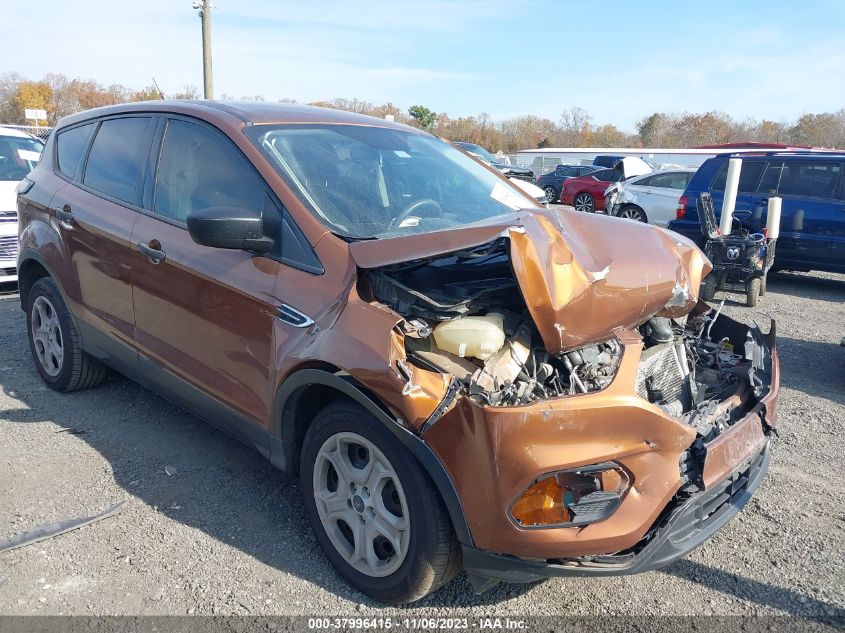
18,157
70,148
118,157
368,182
199,168
810,179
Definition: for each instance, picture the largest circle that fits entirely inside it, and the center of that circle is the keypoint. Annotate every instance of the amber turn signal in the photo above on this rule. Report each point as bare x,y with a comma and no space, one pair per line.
572,497
541,504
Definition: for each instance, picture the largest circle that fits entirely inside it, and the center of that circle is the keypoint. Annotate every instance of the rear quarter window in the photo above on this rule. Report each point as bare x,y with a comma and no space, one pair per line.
70,148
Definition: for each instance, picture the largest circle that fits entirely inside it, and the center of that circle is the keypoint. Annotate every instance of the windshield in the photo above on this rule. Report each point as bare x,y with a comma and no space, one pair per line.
367,182
479,151
18,157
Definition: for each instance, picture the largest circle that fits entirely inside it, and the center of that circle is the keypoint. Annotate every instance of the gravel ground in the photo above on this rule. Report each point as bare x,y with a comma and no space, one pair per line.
211,528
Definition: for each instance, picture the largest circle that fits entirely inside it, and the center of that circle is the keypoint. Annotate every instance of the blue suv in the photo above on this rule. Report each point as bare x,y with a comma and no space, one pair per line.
812,225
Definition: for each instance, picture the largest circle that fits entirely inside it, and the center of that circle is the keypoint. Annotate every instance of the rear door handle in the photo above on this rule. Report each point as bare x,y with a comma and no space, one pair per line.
152,250
65,215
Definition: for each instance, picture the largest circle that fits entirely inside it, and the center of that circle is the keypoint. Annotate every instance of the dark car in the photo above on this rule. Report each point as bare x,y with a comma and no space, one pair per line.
458,376
608,160
586,193
552,183
511,171
812,225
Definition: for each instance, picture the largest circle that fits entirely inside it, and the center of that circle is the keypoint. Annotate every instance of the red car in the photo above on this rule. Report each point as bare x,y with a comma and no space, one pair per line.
586,193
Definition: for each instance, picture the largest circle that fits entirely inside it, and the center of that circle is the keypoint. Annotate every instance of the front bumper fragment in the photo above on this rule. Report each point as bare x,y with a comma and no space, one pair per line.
686,525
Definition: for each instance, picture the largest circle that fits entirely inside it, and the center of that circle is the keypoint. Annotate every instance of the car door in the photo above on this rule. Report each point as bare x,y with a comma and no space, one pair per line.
661,196
811,225
205,316
561,176
95,215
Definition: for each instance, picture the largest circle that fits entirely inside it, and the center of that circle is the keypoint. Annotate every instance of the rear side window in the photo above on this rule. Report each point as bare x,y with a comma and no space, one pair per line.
609,175
70,148
674,180
771,178
811,179
200,168
118,157
749,176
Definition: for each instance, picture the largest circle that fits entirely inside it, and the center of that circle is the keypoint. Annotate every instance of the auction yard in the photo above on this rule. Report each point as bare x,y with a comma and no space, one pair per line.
209,527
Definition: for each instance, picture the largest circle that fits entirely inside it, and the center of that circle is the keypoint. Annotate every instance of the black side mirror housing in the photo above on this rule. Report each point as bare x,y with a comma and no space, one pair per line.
229,227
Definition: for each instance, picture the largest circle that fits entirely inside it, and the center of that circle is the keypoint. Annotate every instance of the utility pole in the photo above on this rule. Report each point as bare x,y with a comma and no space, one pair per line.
204,7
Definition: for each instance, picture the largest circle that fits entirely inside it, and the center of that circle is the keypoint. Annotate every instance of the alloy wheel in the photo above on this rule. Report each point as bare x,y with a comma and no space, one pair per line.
632,213
583,202
361,504
551,194
47,336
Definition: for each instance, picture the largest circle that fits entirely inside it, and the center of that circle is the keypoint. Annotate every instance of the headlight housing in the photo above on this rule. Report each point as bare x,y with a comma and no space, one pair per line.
573,497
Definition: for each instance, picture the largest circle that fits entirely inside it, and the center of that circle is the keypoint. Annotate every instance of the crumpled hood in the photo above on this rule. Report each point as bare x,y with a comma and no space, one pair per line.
582,275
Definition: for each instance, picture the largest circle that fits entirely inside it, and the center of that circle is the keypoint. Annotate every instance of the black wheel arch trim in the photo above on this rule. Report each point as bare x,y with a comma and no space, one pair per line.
281,453
32,255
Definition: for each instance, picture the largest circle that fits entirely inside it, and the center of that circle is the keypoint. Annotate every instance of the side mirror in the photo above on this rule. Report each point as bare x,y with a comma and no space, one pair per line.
229,227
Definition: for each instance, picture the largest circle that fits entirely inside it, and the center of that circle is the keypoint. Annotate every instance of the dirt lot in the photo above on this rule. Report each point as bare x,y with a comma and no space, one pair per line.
211,528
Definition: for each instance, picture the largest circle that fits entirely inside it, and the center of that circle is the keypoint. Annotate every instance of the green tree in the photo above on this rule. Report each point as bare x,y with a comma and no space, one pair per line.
424,117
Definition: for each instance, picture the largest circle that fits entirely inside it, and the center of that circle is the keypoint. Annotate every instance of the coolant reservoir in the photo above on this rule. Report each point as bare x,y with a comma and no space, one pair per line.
475,336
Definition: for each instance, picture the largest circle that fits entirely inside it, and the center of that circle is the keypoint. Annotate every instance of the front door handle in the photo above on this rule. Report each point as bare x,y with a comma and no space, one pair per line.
65,215
152,250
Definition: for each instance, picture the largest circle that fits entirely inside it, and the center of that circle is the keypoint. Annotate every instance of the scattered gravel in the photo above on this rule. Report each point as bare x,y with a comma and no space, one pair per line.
211,528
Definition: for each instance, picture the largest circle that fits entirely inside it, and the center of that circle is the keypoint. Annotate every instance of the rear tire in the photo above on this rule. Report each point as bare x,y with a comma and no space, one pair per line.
55,343
343,448
584,202
551,194
708,287
763,286
752,292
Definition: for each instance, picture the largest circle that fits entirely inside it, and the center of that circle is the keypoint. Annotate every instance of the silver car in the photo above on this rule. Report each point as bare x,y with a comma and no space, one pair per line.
651,198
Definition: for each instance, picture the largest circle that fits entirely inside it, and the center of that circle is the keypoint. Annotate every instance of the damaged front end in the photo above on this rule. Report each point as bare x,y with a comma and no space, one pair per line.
590,393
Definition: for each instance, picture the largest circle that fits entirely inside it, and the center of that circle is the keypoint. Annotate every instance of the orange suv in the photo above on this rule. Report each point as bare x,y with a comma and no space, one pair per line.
459,376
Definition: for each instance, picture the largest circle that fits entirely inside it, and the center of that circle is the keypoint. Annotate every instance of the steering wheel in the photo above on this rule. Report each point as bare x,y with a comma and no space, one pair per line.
413,207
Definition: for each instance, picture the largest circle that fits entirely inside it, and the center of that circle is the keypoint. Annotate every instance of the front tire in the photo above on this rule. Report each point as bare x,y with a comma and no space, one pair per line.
752,292
374,510
55,343
584,202
632,212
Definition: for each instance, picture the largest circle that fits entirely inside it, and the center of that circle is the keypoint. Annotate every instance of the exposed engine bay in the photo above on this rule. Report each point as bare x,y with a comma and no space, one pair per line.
465,316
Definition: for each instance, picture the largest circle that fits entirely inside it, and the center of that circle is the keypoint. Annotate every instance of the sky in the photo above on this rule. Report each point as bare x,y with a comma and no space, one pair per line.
619,60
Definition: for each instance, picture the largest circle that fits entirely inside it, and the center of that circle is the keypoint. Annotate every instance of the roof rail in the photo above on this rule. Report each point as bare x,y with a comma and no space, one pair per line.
780,152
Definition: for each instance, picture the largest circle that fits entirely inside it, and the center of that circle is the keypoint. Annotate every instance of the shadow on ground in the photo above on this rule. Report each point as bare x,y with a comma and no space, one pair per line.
223,487
760,593
228,491
815,367
808,286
